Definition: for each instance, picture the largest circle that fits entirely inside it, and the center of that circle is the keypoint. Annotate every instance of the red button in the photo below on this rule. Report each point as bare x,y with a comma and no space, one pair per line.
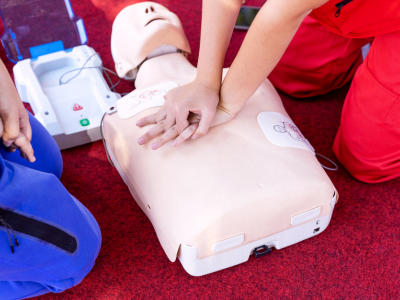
77,107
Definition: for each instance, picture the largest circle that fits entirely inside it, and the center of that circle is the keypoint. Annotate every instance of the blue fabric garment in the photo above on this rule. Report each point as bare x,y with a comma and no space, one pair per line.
38,267
47,153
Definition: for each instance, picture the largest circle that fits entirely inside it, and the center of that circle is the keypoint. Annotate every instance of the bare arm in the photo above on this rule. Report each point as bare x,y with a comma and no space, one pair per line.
268,37
265,43
202,95
218,20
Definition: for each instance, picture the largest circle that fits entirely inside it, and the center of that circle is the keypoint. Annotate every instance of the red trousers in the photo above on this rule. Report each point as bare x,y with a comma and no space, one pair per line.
317,61
322,58
368,140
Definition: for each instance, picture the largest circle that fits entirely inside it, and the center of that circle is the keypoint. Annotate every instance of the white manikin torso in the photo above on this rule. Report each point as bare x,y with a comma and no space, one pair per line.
230,182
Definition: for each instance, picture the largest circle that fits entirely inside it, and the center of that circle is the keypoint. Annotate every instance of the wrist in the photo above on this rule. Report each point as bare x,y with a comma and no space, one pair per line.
228,102
226,110
209,82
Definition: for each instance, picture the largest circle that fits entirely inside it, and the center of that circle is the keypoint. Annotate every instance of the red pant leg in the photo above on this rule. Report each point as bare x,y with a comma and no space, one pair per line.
368,140
317,61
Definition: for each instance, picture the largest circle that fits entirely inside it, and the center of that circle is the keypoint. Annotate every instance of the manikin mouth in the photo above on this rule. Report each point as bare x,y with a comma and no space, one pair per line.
156,19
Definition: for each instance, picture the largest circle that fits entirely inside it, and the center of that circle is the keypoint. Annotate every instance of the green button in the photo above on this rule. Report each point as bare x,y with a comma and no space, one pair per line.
85,122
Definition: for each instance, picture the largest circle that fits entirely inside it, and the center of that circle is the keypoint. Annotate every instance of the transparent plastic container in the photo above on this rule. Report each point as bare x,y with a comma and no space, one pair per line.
37,27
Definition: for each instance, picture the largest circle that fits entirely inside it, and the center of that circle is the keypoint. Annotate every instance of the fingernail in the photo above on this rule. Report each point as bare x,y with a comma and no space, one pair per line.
195,136
7,144
140,141
174,143
154,146
138,123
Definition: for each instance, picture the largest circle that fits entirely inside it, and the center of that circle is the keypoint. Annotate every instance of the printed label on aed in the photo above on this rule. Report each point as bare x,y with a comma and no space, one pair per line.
140,100
281,131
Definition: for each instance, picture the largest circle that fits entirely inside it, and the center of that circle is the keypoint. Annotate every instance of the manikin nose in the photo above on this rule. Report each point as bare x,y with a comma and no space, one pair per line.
150,9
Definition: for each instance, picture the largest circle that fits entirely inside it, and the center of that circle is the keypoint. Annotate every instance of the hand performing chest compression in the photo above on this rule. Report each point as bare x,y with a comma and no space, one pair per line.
200,101
198,111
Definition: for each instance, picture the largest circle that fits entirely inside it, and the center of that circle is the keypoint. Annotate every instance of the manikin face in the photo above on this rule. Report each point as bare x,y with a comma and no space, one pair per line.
139,29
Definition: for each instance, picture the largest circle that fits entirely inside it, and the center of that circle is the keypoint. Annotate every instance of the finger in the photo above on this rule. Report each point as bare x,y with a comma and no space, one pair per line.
181,125
169,135
170,119
25,147
12,147
147,120
187,133
1,128
23,155
9,149
194,118
205,122
11,128
162,113
25,126
151,134
182,116
182,121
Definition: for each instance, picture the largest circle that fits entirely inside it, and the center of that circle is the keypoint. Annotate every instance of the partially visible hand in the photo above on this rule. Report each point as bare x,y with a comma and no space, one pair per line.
15,130
221,116
22,142
196,98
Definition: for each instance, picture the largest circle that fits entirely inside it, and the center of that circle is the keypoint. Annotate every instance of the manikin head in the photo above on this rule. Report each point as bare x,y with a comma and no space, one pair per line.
144,30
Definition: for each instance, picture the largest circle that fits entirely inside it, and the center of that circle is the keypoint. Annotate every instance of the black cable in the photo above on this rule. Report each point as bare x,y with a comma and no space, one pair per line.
106,71
80,70
8,227
108,78
115,85
332,162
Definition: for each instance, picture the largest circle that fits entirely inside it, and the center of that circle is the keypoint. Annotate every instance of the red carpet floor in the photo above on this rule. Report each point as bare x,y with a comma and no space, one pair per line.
357,257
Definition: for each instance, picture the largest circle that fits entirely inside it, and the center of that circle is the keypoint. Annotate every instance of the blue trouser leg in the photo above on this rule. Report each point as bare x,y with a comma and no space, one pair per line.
47,153
47,214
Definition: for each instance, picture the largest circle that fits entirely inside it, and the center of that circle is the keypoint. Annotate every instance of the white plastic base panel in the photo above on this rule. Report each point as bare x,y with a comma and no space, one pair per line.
66,141
189,256
71,112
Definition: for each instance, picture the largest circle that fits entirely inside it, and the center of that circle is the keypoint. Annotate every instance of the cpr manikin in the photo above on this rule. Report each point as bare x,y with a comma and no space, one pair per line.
215,199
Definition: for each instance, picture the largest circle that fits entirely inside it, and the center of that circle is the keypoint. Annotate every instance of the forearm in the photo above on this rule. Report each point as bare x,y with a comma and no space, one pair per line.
8,92
218,21
264,45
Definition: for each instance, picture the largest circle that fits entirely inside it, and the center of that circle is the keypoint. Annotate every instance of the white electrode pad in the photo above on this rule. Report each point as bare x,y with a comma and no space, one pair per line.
140,100
281,131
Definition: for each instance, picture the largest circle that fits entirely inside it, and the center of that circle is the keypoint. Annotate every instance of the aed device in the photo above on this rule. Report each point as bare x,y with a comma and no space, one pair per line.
55,71
246,17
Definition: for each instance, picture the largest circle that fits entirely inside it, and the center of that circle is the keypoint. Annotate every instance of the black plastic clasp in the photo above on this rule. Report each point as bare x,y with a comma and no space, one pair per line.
340,5
262,251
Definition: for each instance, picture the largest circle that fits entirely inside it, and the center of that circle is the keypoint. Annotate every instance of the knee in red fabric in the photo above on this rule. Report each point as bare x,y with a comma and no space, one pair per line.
368,140
317,61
